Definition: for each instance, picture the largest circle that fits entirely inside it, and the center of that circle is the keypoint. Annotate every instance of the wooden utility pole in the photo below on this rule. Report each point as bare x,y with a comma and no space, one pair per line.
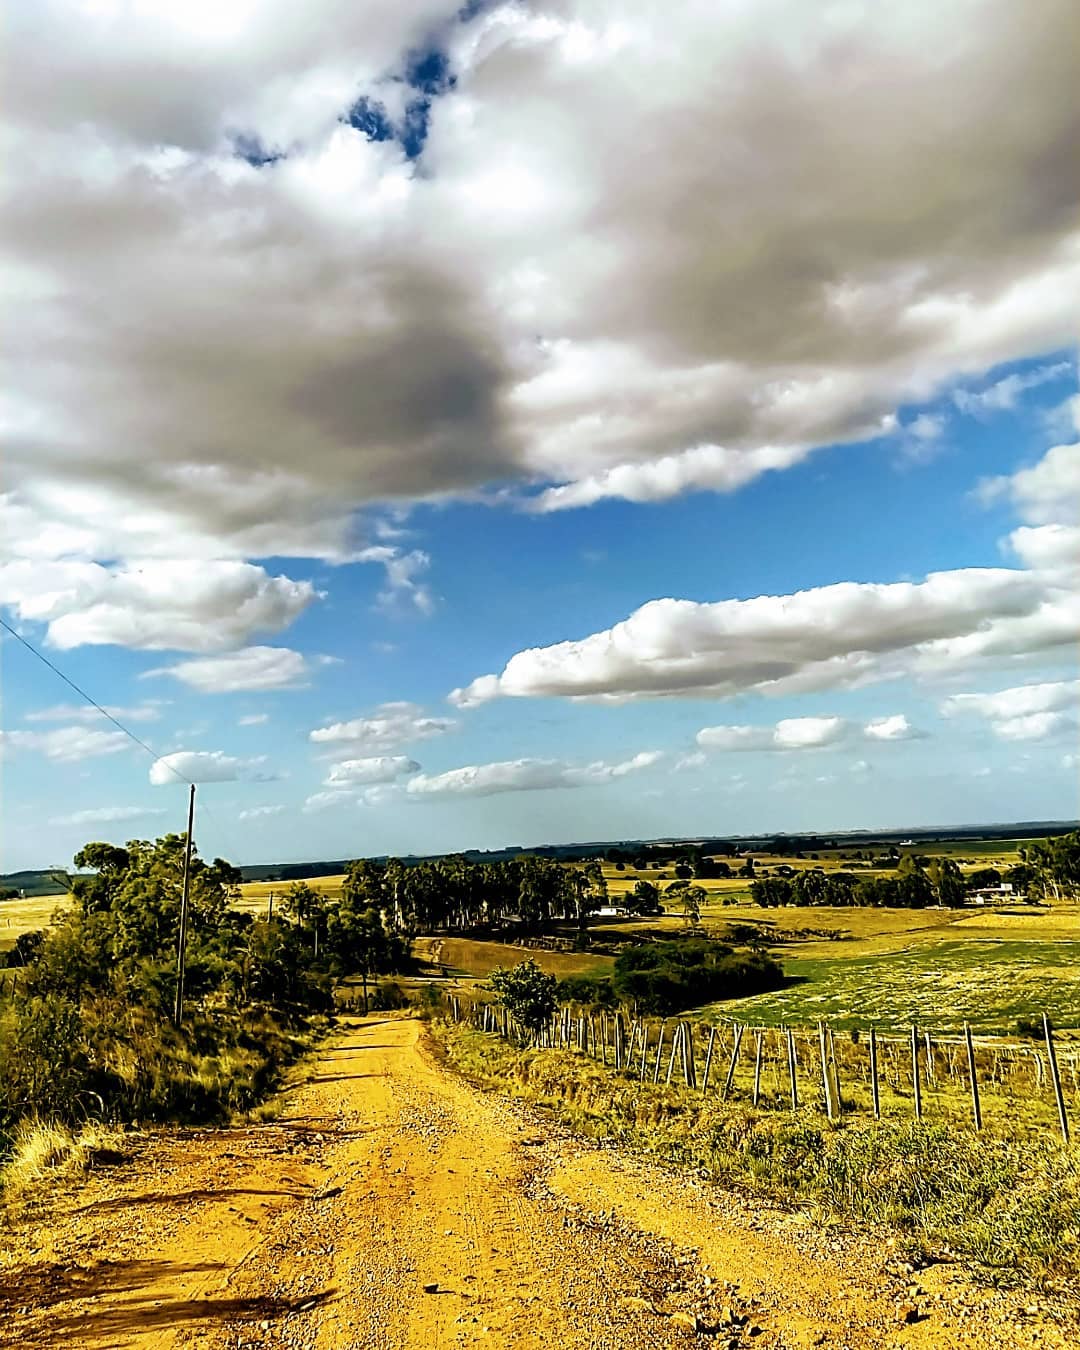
178,1010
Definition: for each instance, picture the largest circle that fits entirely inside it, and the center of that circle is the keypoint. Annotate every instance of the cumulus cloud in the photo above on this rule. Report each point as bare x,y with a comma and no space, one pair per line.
526,775
157,605
353,773
805,733
791,733
206,766
1046,493
251,668
236,316
1027,712
391,725
834,636
107,815
68,744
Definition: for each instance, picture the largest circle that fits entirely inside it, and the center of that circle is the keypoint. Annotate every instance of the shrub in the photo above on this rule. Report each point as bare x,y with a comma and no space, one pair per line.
667,977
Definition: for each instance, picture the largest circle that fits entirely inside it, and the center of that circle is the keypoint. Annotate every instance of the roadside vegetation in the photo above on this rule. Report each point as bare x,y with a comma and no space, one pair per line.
1011,1205
87,1029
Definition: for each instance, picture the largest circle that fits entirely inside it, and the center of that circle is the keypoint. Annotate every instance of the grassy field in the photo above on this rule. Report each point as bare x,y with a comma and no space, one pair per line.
940,985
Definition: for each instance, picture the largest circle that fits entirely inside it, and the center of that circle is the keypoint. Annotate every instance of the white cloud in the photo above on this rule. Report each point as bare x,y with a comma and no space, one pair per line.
1052,547
825,638
402,586
352,773
254,720
791,733
1046,493
324,801
230,359
1004,394
251,668
157,605
1027,712
149,711
894,728
526,775
68,744
391,725
206,766
260,812
694,760
107,815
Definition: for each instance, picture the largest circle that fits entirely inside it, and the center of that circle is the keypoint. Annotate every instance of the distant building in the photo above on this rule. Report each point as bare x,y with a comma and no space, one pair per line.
990,895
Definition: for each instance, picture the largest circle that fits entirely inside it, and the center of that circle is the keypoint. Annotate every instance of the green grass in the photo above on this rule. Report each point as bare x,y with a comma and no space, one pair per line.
940,985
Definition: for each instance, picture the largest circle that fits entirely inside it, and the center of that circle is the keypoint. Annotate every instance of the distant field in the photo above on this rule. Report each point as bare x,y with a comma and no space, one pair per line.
26,916
463,957
939,985
255,895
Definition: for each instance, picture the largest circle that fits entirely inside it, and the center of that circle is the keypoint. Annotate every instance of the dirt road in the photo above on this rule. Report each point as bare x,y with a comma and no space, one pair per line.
391,1206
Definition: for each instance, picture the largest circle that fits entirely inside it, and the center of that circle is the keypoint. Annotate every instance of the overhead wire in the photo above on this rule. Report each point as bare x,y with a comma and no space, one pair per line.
159,759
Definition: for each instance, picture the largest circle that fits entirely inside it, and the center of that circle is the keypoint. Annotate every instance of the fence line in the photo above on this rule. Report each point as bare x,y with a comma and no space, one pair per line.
673,1046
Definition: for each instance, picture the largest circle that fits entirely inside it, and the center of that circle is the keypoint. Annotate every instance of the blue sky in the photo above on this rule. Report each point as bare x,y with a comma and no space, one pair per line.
488,473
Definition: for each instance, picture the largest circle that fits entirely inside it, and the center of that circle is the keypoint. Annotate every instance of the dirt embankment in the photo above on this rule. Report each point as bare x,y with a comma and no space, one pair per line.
392,1206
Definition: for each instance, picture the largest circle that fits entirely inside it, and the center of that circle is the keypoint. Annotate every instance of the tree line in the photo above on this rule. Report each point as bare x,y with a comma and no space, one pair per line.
1049,870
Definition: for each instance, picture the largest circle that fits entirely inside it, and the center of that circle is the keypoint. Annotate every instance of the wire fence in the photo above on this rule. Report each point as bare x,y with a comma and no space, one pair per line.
789,1068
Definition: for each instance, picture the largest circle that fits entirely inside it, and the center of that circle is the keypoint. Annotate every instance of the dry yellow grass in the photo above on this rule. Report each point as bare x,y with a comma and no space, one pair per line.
478,959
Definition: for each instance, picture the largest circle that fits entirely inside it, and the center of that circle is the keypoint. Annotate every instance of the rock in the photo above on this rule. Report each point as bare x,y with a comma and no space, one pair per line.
632,1303
686,1319
907,1313
432,1288
327,1192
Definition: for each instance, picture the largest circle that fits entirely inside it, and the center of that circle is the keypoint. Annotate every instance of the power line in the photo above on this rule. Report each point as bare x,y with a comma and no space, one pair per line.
92,701
158,759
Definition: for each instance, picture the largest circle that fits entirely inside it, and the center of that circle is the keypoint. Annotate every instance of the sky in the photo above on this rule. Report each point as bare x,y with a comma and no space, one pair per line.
432,427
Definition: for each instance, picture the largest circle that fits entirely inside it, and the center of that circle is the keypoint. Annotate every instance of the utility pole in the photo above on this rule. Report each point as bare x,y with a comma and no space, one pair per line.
178,1011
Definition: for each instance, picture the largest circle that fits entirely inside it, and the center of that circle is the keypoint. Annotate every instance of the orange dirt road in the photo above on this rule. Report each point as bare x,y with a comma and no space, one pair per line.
392,1206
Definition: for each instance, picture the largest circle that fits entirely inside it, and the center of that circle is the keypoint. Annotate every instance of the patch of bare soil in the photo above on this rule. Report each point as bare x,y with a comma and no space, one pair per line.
392,1206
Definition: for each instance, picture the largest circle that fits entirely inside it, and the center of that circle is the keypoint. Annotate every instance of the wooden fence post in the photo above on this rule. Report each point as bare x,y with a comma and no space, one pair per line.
1063,1119
708,1060
826,1086
759,1042
834,1070
975,1105
875,1087
644,1050
659,1053
671,1059
916,1085
733,1061
791,1069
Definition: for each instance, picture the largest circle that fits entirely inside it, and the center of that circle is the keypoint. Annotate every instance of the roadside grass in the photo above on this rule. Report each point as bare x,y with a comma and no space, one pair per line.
987,982
44,1150
1011,1205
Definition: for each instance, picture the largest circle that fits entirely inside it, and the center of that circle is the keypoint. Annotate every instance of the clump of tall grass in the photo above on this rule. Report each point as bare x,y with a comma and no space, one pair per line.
44,1150
1002,1202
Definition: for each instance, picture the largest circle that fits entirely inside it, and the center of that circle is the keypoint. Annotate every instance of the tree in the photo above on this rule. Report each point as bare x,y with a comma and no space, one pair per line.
689,898
945,877
1056,864
645,897
526,992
